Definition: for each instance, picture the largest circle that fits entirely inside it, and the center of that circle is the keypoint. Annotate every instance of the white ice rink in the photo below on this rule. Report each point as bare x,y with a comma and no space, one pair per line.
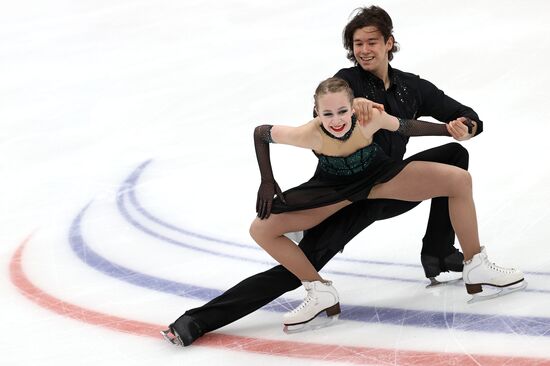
128,180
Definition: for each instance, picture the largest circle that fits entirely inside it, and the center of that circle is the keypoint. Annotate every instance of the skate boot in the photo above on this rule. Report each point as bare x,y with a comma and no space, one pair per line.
480,271
433,266
321,296
183,331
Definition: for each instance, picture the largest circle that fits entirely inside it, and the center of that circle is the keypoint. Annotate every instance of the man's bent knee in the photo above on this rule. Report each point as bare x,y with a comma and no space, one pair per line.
461,156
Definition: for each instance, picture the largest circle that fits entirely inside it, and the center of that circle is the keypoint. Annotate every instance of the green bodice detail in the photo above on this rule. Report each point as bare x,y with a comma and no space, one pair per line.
352,164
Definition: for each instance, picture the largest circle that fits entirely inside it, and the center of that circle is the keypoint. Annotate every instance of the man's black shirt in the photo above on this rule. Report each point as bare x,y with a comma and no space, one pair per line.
408,96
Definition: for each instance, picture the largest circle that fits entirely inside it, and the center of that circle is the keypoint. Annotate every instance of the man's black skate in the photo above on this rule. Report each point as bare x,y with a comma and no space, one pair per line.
183,331
433,266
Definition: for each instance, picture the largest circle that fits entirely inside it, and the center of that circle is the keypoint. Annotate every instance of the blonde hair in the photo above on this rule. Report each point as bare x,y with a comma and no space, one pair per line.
332,85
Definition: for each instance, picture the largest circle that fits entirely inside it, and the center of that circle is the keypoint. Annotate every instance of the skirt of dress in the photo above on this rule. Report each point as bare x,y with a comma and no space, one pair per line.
324,189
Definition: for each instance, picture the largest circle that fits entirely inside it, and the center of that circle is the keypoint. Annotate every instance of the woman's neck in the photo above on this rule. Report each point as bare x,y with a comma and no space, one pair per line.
345,136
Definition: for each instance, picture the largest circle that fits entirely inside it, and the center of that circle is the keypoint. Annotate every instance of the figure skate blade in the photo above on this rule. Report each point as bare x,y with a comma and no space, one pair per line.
315,323
174,340
492,292
434,282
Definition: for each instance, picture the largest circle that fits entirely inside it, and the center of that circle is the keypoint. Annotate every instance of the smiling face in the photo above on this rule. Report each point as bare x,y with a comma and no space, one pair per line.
335,111
370,50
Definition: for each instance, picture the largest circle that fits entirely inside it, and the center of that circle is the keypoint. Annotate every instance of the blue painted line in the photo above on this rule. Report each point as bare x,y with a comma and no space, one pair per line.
129,188
532,326
94,260
124,212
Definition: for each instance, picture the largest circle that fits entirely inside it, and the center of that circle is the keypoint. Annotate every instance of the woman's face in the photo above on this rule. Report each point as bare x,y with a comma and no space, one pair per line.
334,110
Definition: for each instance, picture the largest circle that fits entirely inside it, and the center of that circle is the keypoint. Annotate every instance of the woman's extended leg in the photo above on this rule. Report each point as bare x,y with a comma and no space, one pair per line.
269,234
421,180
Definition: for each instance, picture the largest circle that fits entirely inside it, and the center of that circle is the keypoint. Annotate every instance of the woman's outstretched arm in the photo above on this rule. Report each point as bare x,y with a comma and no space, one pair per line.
408,127
304,136
268,186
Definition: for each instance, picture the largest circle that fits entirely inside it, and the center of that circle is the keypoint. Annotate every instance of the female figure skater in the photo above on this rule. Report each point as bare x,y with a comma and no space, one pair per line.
353,168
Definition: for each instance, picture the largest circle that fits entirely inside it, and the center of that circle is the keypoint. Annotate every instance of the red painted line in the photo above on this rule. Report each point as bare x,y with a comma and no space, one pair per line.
328,352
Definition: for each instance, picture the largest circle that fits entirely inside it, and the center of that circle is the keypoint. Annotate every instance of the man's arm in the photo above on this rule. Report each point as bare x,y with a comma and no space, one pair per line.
435,103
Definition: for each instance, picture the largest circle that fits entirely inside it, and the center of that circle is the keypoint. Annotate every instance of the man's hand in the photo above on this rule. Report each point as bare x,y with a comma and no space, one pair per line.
363,109
459,128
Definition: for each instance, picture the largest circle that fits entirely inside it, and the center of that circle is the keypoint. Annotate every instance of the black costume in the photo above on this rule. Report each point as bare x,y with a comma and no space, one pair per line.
338,178
408,96
341,178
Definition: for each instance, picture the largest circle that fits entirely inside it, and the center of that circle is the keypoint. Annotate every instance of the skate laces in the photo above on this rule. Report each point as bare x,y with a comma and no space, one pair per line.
304,303
310,288
496,267
309,298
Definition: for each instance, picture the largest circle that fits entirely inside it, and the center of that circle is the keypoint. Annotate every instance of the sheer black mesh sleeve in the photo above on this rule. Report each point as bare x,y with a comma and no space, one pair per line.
268,186
470,124
412,127
262,139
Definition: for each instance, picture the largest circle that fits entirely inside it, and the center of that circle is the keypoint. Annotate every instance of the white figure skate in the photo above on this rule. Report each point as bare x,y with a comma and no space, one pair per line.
480,271
321,296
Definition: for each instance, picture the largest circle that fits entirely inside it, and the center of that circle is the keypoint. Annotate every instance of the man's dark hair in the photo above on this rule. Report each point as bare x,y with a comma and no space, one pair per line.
373,16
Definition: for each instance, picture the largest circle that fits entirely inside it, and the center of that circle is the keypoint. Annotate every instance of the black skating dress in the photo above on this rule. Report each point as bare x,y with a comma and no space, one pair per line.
339,178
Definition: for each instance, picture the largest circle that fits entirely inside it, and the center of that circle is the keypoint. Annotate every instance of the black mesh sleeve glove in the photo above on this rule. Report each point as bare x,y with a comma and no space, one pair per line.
268,186
469,123
413,127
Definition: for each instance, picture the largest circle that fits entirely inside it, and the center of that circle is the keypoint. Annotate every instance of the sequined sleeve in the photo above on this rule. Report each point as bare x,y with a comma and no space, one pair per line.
263,133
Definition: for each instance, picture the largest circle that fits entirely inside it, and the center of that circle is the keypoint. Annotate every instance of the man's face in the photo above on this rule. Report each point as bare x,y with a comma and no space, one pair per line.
370,50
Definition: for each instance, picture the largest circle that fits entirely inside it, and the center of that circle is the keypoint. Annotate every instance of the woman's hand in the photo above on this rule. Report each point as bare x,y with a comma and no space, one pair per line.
266,193
363,109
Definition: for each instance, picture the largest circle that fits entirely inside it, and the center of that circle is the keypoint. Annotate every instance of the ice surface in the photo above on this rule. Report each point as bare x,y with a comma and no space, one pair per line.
122,121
